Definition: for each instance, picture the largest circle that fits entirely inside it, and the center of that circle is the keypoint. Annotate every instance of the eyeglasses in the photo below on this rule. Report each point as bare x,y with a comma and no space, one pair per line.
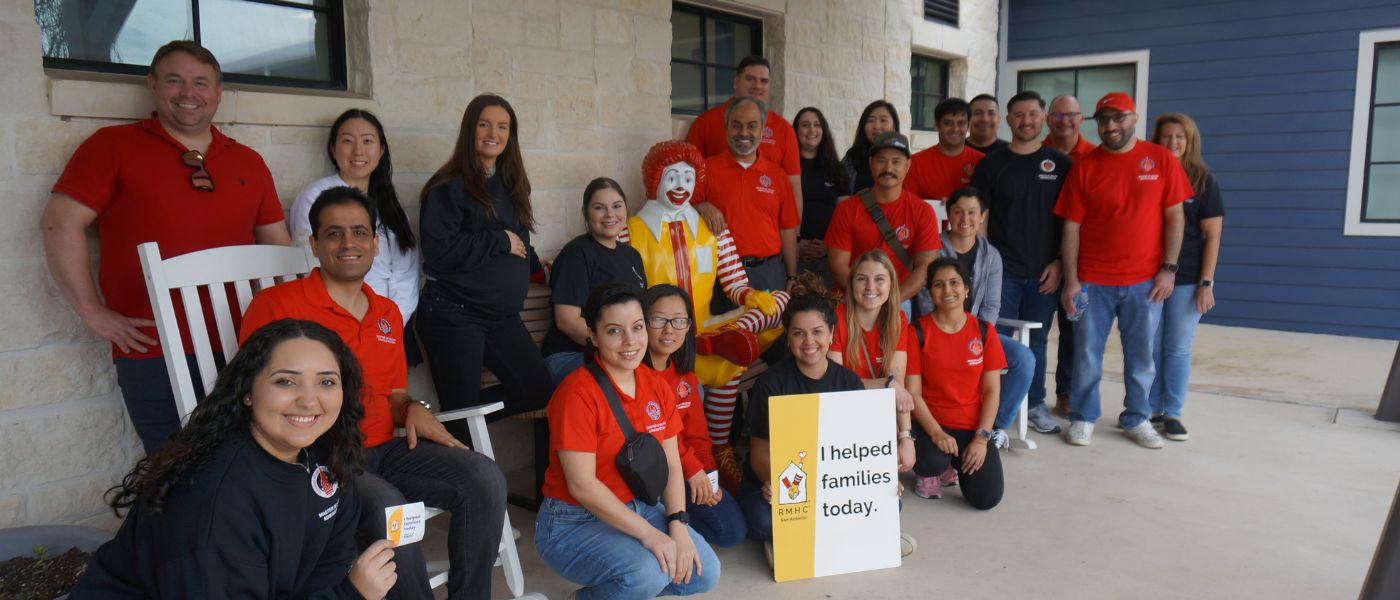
677,323
1063,116
200,178
1116,119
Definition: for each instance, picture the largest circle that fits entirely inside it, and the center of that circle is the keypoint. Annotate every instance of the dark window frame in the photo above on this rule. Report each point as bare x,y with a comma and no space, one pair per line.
755,41
915,93
1370,134
942,11
335,31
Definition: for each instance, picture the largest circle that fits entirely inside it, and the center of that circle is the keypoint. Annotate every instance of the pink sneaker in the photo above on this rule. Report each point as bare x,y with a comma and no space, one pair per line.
928,487
949,478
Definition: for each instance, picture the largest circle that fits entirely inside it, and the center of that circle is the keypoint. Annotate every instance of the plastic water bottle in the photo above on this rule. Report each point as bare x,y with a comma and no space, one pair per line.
1081,304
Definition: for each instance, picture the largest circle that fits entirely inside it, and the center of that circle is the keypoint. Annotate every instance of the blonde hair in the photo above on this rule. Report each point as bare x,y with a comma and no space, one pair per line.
1196,169
887,322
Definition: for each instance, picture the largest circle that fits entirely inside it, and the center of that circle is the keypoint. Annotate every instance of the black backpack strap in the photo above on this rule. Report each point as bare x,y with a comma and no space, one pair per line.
611,394
883,224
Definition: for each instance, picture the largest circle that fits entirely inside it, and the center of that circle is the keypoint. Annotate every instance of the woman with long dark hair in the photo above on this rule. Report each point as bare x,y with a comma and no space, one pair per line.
878,117
824,181
593,527
254,496
476,221
359,150
1194,294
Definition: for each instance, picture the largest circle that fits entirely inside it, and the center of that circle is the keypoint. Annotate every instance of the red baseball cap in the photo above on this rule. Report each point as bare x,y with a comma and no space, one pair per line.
1118,101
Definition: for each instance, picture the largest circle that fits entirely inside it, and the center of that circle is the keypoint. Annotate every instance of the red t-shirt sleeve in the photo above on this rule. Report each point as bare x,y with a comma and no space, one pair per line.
573,418
838,233
90,177
269,205
1070,204
695,433
915,365
667,397
993,357
925,228
907,343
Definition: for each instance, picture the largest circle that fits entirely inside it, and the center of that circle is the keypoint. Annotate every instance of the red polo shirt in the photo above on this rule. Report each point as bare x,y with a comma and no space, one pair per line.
954,364
133,178
581,420
934,175
1080,150
1118,200
710,134
376,340
912,220
757,202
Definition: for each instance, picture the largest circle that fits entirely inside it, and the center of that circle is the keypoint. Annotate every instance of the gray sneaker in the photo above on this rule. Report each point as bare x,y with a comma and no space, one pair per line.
1042,421
1145,435
1079,433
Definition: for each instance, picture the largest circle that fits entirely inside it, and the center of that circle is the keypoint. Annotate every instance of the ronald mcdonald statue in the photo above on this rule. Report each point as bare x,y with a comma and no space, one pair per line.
678,248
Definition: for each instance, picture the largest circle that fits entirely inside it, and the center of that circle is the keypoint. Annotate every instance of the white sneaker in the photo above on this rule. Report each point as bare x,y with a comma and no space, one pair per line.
1000,440
1079,433
1145,435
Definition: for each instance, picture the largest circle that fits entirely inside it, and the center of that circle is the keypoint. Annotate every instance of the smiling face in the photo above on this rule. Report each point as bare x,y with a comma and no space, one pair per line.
752,81
809,131
952,131
666,340
1065,118
186,93
888,167
620,334
745,129
296,398
1116,129
1173,136
964,217
948,290
492,135
345,242
870,282
677,184
879,121
1025,120
606,214
809,338
357,151
984,119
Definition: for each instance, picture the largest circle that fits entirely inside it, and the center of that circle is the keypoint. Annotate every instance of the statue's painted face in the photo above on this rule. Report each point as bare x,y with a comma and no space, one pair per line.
677,183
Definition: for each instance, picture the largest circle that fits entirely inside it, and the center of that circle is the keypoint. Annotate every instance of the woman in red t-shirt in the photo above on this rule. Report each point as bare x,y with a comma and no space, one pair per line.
879,354
591,529
671,352
963,359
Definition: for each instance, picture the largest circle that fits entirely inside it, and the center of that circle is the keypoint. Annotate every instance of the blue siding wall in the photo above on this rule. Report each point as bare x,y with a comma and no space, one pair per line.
1271,84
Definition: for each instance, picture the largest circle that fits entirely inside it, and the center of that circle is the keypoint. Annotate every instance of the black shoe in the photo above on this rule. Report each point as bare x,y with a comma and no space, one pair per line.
1156,420
1172,429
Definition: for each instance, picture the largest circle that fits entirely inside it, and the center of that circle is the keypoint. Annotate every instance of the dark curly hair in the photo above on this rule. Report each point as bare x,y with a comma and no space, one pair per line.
810,293
222,416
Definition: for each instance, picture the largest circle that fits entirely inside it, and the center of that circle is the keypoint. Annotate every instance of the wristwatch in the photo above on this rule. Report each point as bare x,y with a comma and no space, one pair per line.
906,434
984,434
1169,267
422,403
1207,283
682,516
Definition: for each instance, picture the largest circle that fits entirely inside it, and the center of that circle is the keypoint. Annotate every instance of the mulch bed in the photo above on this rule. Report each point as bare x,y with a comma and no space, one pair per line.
33,578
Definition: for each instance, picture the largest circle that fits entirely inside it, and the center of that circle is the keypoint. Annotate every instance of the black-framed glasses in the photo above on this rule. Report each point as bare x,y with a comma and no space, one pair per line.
200,178
676,323
1062,116
1116,119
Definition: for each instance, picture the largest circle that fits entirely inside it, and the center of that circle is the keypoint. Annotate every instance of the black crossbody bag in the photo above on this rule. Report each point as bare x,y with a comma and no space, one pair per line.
641,461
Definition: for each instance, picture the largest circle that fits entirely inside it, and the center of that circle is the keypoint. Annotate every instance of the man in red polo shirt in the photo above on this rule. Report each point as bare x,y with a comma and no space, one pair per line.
750,195
935,172
710,132
1065,119
853,229
173,179
428,464
1123,224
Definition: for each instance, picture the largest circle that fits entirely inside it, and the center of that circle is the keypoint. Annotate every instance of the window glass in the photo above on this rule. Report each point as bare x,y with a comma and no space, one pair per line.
1388,75
1086,83
929,85
1383,193
705,47
267,40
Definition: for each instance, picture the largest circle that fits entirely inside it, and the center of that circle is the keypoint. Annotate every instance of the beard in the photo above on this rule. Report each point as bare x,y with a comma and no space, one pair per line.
1127,135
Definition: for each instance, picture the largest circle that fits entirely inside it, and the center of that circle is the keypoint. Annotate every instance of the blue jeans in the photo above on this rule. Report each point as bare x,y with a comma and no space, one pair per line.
1021,299
722,524
1020,363
1172,351
1138,319
758,513
560,364
611,564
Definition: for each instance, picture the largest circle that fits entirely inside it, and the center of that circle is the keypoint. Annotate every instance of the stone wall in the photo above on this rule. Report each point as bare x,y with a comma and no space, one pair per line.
589,79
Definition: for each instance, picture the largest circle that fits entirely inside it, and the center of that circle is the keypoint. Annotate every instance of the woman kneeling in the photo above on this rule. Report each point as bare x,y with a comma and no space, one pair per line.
592,528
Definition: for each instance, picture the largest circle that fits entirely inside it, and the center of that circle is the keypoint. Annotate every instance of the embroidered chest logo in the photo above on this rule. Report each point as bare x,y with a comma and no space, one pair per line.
1047,166
653,410
682,391
767,134
384,326
902,232
1147,165
765,181
967,169
975,347
322,483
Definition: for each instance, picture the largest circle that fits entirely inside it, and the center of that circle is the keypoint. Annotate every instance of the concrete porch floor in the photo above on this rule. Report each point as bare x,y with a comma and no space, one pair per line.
1271,498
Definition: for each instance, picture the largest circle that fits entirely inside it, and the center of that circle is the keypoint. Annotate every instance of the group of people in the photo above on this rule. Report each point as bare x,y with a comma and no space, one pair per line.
756,243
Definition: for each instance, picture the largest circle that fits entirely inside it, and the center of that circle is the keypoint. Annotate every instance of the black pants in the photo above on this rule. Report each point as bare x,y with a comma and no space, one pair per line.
462,482
982,489
150,401
458,341
1064,365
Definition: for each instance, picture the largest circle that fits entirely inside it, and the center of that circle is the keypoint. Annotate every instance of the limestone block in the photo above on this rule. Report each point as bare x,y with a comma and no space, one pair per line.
572,101
653,8
33,309
576,26
542,9
49,142
12,510
804,60
420,59
293,167
548,61
254,136
491,68
446,23
651,78
25,83
301,136
71,500
629,110
273,108
433,102
612,69
420,151
19,230
805,29
842,27
613,28
653,38
105,520
72,439
571,171
582,138
497,27
54,373
6,152
544,34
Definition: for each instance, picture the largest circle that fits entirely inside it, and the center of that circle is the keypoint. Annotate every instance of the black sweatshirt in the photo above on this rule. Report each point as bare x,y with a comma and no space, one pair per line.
244,525
466,253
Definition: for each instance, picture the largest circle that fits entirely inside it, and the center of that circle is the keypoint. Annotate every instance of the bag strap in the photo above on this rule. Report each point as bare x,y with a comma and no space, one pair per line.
883,224
611,394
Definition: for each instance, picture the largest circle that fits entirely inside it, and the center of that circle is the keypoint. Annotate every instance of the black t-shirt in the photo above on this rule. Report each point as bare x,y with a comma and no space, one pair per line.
582,265
1207,204
819,198
968,260
784,378
1020,191
996,145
